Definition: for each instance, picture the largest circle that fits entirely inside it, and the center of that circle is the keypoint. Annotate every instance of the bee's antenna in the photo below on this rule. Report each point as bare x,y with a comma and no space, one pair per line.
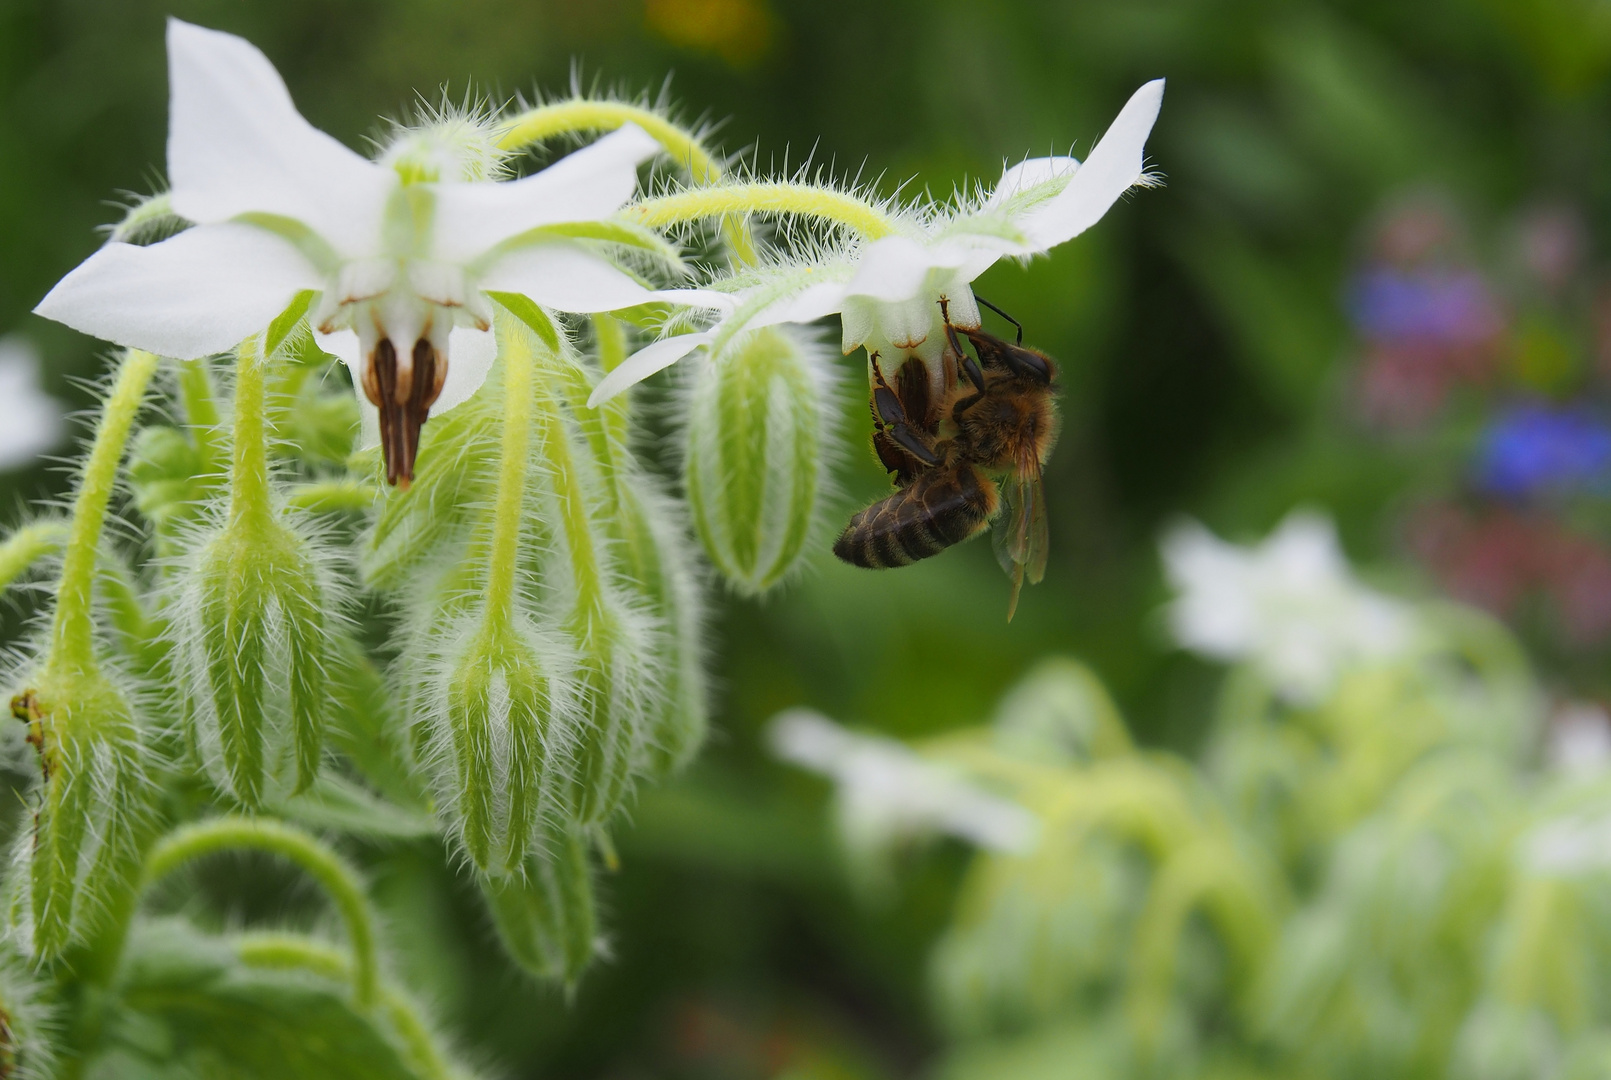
1004,315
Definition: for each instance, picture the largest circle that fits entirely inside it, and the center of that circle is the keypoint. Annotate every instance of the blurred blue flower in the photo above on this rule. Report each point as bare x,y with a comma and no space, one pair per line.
1534,448
1389,304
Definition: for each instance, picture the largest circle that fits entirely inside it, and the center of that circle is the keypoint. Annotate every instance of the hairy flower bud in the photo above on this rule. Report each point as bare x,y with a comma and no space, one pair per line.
544,914
655,558
251,635
84,852
27,1017
493,740
755,454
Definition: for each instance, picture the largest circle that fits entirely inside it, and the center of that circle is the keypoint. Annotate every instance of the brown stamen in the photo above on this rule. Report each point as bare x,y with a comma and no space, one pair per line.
404,397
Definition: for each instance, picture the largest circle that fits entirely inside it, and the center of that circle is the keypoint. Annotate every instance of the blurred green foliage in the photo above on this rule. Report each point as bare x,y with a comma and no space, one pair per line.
1199,328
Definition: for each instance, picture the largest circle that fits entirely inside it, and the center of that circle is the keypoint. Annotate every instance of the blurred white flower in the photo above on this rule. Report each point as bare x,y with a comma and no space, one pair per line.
1290,606
400,252
1577,844
887,293
1579,739
887,793
33,419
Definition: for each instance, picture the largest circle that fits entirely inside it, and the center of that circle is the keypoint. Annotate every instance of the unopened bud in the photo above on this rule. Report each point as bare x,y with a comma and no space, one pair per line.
28,1022
656,560
544,914
251,635
493,744
94,786
617,684
754,467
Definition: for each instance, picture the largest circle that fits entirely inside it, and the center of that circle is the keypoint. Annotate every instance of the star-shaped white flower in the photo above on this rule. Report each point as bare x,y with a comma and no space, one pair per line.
1290,606
887,294
401,255
887,793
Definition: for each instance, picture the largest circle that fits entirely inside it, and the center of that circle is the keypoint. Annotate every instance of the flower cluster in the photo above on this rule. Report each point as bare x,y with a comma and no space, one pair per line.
491,630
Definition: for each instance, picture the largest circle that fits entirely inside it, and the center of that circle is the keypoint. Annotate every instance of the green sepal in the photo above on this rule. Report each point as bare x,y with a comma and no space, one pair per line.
91,805
545,914
498,707
257,647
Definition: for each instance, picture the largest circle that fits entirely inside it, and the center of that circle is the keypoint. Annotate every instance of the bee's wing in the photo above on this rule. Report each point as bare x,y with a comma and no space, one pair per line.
1022,539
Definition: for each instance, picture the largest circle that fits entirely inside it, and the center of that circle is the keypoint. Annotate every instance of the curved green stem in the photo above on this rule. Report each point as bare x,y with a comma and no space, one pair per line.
249,496
579,114
339,880
770,197
572,504
27,546
73,629
282,951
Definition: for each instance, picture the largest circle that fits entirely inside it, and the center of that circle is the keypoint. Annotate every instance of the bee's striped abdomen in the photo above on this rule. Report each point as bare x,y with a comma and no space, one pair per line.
937,510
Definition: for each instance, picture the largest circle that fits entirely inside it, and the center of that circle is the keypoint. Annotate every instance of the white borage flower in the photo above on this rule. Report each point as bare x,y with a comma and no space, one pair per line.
887,292
1290,606
887,793
402,255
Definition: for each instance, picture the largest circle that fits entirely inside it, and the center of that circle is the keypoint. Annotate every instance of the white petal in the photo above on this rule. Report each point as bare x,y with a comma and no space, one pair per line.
1113,167
906,324
590,184
1030,174
564,276
897,268
808,305
645,362
858,323
201,292
343,345
236,144
470,356
700,298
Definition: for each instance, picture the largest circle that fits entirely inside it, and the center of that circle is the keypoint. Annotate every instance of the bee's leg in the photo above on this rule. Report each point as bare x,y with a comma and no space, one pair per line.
1004,315
969,366
890,417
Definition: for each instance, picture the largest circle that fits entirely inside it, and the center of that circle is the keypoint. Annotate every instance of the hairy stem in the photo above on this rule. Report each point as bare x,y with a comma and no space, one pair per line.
281,951
338,879
803,200
249,497
515,349
567,117
27,546
201,410
73,630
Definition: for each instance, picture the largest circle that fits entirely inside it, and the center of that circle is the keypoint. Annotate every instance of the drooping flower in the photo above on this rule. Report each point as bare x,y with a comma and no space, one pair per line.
887,292
1290,606
888,793
402,252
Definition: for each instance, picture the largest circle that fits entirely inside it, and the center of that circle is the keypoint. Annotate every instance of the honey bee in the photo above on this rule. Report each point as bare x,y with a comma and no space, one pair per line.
962,460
